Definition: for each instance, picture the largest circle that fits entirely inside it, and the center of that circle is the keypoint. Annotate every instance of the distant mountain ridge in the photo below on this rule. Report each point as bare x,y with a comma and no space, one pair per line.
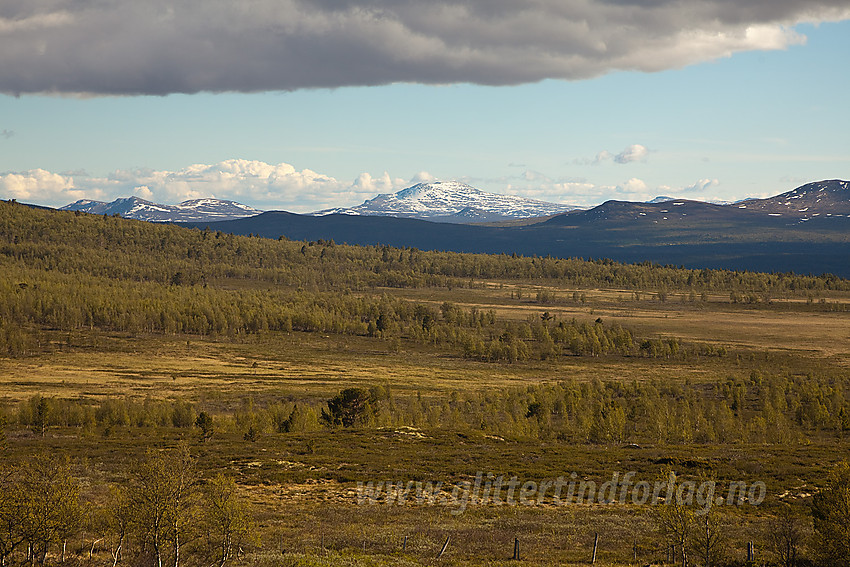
452,202
459,203
194,210
679,232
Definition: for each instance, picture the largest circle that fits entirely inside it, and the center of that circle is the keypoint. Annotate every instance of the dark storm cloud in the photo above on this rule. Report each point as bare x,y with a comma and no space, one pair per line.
160,47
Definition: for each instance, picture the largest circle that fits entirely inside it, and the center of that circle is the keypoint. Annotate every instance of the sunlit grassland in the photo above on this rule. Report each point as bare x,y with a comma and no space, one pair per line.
316,365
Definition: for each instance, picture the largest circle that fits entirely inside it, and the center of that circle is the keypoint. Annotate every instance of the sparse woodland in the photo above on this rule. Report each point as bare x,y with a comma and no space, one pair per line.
163,511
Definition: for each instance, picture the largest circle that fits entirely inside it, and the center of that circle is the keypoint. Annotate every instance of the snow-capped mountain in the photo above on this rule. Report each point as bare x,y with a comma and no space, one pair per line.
665,199
661,199
195,210
451,201
820,198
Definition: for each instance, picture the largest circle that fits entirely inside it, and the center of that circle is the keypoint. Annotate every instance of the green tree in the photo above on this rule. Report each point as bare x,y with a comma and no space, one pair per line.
831,515
51,507
162,497
347,407
227,518
11,512
118,517
204,422
182,414
41,407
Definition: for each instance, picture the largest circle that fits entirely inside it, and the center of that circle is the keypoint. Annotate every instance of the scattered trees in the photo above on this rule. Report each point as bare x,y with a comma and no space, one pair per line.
162,510
754,407
168,513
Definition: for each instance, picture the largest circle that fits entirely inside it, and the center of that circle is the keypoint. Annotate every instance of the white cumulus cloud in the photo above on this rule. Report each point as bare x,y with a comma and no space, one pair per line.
38,185
633,186
701,185
381,184
635,152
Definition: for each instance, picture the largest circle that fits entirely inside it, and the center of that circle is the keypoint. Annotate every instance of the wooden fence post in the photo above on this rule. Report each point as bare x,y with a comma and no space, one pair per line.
516,548
445,545
595,545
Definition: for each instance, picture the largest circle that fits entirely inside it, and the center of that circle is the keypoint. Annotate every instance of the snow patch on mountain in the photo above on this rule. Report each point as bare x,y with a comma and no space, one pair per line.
820,198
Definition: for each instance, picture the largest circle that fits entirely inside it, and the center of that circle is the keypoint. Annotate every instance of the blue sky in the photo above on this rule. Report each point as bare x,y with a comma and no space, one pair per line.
756,122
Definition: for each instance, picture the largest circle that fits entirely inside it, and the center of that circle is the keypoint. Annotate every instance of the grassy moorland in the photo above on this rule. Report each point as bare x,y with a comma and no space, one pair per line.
117,335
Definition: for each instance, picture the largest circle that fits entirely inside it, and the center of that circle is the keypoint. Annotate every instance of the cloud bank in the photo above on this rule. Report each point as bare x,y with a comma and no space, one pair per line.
583,192
158,47
256,183
283,187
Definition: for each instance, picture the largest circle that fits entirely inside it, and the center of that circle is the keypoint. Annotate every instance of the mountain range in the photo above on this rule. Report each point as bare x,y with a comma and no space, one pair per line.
195,210
740,236
805,230
440,201
459,203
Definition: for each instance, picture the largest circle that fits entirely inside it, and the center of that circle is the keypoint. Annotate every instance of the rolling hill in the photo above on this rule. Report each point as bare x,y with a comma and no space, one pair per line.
822,198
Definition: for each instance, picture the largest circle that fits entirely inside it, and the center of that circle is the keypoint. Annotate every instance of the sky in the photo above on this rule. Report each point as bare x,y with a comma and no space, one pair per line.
302,105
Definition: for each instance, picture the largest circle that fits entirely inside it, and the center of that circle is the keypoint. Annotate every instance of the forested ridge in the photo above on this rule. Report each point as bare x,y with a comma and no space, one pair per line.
66,271
117,248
